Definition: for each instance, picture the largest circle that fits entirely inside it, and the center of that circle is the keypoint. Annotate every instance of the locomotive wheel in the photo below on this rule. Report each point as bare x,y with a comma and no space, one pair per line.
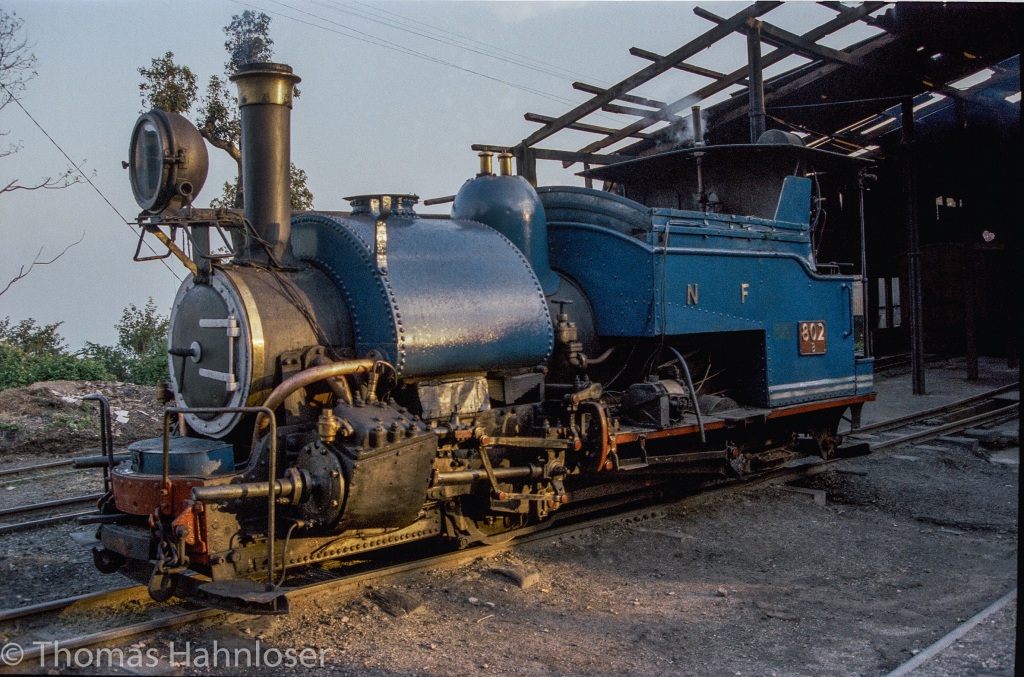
592,422
107,561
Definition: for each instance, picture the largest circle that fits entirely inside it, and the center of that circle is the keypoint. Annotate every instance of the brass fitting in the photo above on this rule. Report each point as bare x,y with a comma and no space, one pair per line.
505,163
328,426
486,164
265,84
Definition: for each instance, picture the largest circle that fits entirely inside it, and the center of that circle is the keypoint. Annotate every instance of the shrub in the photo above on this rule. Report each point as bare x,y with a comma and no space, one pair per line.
20,368
30,353
140,355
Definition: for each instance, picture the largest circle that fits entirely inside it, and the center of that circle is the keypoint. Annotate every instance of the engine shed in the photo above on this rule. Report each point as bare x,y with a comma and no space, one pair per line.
930,99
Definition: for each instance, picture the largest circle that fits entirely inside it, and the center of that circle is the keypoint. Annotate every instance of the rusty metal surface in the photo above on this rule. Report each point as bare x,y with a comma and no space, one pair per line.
139,494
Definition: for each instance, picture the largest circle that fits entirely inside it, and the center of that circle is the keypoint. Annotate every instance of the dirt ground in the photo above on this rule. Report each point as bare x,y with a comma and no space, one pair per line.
766,582
49,421
50,418
908,544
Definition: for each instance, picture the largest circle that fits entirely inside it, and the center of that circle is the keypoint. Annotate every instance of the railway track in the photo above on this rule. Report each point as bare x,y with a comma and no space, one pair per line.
970,412
31,470
985,409
51,473
45,513
47,506
40,624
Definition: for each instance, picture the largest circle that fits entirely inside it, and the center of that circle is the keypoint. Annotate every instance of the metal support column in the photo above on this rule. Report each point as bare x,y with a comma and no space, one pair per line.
969,261
970,264
913,250
756,80
526,163
862,179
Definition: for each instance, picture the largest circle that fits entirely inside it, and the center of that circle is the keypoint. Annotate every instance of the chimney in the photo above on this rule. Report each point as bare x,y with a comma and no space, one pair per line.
265,102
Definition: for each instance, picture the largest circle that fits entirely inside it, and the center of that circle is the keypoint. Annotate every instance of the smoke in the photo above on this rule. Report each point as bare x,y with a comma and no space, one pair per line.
680,134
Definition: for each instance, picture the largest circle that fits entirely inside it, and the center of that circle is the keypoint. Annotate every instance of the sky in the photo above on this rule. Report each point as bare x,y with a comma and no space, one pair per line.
382,110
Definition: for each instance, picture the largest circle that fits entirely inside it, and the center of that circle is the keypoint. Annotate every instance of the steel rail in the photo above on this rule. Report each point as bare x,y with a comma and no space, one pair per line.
891,423
31,468
935,649
38,650
340,584
50,504
45,521
134,593
1005,413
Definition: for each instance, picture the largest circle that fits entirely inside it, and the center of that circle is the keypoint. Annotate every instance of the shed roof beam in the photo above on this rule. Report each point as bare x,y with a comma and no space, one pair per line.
808,48
644,75
686,67
551,154
628,98
640,113
840,7
844,19
580,126
816,74
783,39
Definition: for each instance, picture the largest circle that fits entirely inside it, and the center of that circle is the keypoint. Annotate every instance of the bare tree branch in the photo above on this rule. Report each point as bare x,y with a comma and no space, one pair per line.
68,178
16,61
23,271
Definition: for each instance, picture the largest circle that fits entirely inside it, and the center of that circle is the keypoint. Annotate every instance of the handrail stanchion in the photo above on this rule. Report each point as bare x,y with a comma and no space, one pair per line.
272,466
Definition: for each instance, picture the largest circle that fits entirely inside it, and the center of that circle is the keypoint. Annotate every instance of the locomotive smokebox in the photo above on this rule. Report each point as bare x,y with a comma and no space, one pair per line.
265,99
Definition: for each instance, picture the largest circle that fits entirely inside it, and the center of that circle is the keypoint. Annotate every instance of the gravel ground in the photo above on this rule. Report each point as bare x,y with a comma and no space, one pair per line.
909,544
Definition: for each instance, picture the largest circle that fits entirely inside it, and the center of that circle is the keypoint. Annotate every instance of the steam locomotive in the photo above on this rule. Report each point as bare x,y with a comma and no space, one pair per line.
342,382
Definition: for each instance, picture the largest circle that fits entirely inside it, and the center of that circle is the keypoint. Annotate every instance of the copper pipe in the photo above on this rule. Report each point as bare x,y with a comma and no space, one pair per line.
305,378
603,356
337,384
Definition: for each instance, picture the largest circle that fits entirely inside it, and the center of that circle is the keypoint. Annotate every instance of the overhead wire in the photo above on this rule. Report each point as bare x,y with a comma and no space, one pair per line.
362,36
83,174
422,28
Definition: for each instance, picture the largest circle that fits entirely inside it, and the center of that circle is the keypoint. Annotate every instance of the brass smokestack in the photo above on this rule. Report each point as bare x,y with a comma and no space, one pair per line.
265,100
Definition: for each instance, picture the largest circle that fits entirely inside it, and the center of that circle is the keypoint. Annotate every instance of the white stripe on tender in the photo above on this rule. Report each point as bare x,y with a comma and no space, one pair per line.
811,384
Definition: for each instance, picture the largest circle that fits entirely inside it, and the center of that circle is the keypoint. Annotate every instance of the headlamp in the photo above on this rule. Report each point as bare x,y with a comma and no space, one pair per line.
167,163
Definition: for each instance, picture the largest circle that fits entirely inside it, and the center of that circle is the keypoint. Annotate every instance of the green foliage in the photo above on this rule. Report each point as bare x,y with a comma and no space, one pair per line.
140,355
75,421
302,197
140,331
113,359
229,197
31,338
219,121
168,86
248,40
30,353
171,87
21,368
